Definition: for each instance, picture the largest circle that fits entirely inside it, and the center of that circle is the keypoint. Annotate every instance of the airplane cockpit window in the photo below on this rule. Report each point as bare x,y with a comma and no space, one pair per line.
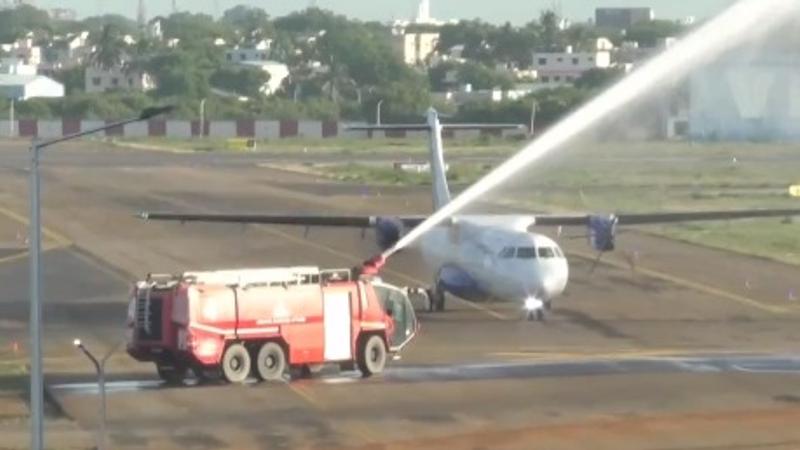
546,252
559,253
507,253
526,253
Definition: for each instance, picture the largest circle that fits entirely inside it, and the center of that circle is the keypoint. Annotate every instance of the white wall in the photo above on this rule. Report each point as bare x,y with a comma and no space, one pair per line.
44,87
179,128
50,128
136,129
222,129
268,129
309,129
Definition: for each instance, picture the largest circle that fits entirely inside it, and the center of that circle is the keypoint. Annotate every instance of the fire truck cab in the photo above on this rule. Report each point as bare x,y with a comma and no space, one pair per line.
262,322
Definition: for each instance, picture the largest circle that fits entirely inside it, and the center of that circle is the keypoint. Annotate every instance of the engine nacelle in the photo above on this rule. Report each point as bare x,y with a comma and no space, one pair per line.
602,232
388,230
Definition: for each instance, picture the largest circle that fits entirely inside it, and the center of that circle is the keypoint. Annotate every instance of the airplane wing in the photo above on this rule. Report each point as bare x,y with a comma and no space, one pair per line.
412,221
279,219
667,217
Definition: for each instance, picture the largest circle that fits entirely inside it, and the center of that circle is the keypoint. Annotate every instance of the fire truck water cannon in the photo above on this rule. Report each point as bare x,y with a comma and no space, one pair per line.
373,265
260,323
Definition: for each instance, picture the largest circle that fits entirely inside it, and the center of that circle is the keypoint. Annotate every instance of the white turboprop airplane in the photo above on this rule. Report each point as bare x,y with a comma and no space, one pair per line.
481,256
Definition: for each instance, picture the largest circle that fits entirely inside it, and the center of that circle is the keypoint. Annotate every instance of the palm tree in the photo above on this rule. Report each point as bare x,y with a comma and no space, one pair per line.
109,49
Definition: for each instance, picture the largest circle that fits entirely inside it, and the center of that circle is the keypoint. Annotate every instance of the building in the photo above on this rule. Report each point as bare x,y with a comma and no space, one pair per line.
24,87
66,52
24,50
123,78
747,100
414,48
556,68
278,73
13,66
622,18
257,52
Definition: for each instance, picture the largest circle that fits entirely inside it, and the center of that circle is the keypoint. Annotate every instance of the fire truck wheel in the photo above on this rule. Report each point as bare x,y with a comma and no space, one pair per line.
372,356
236,363
271,362
171,373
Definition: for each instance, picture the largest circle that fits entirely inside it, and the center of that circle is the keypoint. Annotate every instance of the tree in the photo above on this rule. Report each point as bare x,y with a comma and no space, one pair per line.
180,74
72,79
122,24
597,79
647,34
252,22
482,77
16,22
552,39
244,81
109,48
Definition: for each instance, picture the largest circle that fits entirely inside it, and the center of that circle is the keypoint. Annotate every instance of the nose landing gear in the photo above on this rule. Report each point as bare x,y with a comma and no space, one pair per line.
535,309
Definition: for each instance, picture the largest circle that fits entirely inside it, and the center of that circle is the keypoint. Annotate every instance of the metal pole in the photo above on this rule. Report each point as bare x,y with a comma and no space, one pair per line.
34,251
202,118
534,107
101,384
378,112
11,119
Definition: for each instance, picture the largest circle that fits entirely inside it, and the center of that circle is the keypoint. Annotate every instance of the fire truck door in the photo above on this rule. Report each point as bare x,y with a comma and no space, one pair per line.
336,310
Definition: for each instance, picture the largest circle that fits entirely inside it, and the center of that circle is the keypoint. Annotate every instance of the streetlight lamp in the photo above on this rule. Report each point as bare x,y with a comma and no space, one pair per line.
34,250
100,367
378,112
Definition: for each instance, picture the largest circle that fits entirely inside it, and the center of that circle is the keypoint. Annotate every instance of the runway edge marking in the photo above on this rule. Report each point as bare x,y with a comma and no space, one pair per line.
697,286
57,237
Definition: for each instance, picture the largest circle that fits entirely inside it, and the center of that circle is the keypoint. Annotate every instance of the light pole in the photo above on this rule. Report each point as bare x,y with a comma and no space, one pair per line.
378,112
534,108
100,367
11,119
202,118
34,250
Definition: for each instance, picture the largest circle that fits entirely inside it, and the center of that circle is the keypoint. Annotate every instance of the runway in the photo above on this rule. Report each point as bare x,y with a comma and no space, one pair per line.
681,353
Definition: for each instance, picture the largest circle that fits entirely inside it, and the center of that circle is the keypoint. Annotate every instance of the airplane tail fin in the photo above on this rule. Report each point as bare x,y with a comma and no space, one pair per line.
441,191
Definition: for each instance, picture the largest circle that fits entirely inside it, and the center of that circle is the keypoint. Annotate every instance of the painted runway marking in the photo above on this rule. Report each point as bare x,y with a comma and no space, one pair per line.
545,355
303,390
59,238
633,365
697,286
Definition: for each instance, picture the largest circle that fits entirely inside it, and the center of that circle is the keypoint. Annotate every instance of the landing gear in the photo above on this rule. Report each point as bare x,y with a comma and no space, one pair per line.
535,309
436,299
536,315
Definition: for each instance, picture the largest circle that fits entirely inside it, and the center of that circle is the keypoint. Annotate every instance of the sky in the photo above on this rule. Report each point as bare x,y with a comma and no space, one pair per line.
498,11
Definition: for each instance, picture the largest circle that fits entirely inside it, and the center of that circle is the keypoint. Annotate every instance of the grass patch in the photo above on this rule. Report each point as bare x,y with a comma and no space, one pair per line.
388,175
339,145
649,177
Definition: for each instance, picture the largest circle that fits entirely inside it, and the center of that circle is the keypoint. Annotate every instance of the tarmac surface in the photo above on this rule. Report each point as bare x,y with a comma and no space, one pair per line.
694,349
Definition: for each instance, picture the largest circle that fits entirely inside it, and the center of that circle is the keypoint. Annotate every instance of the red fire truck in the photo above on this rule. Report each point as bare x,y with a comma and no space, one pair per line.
262,322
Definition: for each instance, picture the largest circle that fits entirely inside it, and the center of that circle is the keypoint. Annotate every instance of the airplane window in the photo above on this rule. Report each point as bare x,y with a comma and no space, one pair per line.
546,252
526,253
559,252
507,253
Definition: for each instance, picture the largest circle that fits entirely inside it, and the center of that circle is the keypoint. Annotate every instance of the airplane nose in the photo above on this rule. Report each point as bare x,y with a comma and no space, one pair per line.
554,286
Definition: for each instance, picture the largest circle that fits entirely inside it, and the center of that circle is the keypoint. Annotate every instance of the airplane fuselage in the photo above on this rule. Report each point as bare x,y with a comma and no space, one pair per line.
477,260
